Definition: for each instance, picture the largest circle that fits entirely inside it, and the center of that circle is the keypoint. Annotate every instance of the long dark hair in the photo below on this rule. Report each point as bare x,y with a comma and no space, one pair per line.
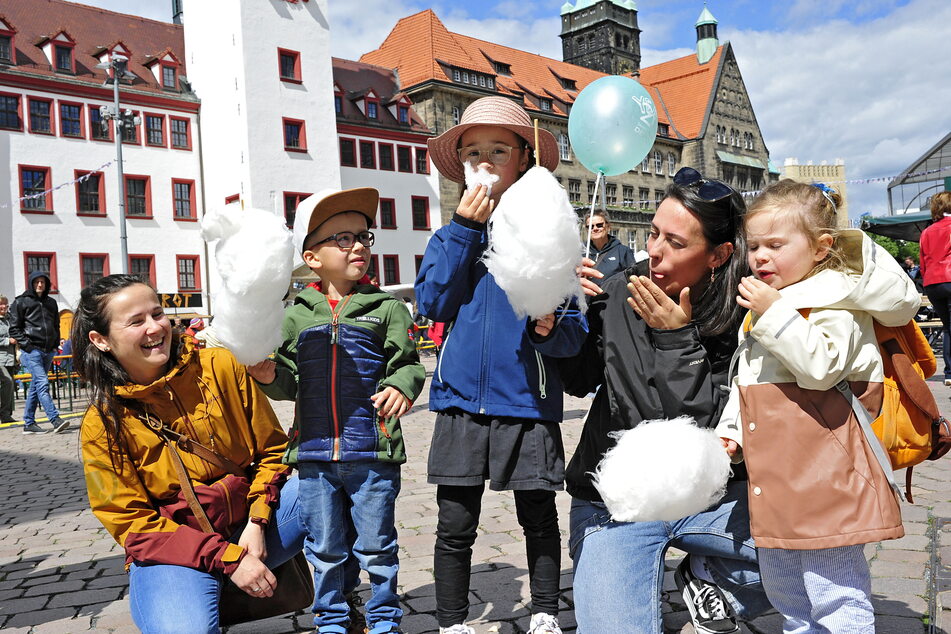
715,311
100,369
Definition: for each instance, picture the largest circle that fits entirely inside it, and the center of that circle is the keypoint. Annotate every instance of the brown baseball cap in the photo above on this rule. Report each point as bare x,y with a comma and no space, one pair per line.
314,210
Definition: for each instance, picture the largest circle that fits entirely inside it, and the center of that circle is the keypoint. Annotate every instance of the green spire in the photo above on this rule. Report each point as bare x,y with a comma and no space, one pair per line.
567,8
705,17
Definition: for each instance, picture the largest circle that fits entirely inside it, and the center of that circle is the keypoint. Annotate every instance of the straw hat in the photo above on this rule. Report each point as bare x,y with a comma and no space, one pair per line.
318,208
496,111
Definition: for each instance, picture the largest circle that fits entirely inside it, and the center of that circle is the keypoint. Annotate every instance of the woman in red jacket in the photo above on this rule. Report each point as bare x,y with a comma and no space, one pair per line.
936,269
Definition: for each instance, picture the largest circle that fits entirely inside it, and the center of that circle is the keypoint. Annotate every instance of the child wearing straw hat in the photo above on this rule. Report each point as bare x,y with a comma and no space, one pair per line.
496,390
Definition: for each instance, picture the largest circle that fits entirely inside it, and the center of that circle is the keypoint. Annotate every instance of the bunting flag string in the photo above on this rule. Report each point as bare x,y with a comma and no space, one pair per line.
866,181
44,194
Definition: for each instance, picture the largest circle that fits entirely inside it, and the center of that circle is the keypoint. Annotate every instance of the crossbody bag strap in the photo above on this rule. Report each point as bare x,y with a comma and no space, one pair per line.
194,447
187,489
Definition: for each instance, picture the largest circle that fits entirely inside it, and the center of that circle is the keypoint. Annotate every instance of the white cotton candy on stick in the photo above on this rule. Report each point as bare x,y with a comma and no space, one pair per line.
534,245
255,259
662,470
480,176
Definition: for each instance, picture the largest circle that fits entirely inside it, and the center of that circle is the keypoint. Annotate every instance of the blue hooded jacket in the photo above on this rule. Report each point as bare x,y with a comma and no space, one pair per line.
491,362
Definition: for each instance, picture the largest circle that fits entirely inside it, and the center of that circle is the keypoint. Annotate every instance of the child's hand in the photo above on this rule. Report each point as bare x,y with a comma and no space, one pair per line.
544,325
756,295
476,205
390,402
586,271
655,308
730,446
264,372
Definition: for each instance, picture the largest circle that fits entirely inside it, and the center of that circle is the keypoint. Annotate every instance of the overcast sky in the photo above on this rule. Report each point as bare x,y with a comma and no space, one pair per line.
867,81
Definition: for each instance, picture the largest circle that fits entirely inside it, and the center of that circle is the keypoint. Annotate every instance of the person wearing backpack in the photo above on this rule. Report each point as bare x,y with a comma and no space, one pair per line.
817,492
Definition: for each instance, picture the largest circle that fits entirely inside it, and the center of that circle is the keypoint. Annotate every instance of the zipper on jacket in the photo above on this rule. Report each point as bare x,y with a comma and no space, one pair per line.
542,376
442,352
485,351
173,396
334,325
389,439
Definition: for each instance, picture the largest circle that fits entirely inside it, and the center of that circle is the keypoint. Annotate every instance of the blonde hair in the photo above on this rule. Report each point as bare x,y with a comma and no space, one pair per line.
4,300
940,205
811,208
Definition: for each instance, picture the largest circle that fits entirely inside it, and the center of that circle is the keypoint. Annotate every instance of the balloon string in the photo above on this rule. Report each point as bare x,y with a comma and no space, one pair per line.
597,195
536,142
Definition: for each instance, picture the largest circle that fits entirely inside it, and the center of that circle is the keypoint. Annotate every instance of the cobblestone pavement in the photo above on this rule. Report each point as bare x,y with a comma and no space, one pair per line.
61,572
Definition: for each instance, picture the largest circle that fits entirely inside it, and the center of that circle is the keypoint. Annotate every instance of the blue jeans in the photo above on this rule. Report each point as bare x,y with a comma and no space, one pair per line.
167,599
38,363
619,566
366,491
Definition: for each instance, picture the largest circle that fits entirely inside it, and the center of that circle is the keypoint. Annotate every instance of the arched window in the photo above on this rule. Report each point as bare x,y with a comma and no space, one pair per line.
658,162
646,164
671,163
564,149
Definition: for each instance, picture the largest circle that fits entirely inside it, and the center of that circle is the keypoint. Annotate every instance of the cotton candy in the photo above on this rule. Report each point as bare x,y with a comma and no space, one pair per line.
255,258
480,176
662,470
534,245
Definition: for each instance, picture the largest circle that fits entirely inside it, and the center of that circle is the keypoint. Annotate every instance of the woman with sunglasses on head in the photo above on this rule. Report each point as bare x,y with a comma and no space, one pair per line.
609,255
659,346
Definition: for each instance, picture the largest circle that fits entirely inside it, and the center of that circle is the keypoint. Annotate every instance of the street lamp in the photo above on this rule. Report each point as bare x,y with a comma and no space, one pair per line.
119,64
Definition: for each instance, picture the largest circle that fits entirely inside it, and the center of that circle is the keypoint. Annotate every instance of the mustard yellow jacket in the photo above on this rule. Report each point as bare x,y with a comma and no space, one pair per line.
209,397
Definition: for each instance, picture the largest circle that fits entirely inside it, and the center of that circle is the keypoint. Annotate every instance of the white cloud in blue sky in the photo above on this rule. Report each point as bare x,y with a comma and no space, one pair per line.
868,81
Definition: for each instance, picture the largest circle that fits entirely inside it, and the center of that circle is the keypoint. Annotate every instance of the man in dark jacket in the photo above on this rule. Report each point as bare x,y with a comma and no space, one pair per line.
34,323
7,364
609,255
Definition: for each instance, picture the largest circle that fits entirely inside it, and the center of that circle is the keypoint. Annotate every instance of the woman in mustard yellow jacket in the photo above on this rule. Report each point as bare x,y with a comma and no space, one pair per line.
141,375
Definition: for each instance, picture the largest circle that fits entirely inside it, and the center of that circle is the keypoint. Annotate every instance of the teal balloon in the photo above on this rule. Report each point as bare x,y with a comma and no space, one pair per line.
612,125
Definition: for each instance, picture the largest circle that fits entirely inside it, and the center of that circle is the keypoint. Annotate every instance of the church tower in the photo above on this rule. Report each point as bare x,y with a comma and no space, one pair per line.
707,41
601,35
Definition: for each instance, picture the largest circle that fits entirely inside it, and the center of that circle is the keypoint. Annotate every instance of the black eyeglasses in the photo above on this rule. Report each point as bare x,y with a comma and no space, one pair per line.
596,225
346,239
709,190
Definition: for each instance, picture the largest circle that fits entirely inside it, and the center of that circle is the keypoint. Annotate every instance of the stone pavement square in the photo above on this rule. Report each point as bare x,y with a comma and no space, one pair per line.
61,572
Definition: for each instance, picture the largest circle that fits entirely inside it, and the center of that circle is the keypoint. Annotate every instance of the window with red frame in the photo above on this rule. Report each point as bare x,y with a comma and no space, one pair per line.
373,271
183,199
387,213
42,262
143,267
289,65
169,77
404,158
138,196
90,193
419,262
181,138
348,153
420,212
64,58
71,120
6,49
403,113
130,133
373,109
93,266
295,137
391,269
368,154
386,156
155,129
422,161
34,189
10,118
99,129
291,201
188,274
41,116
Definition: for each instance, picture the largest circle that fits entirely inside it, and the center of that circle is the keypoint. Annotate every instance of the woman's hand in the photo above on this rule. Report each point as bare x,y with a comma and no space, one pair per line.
544,325
252,540
730,446
655,308
756,295
587,271
254,578
390,402
264,372
475,204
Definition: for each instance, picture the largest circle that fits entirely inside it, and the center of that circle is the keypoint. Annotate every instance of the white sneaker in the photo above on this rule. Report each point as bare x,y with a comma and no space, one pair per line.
544,624
458,628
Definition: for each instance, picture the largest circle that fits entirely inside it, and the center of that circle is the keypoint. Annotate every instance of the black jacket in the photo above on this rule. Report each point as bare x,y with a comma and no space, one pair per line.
613,258
644,374
34,319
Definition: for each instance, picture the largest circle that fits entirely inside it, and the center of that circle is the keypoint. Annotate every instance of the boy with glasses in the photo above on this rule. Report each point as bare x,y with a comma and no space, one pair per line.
351,364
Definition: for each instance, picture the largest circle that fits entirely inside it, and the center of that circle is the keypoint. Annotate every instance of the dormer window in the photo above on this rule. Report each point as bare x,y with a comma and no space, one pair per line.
372,110
568,84
6,49
64,58
503,69
544,104
169,75
338,104
403,114
663,129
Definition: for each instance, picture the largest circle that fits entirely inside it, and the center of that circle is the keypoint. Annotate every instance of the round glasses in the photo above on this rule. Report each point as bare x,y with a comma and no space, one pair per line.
346,239
497,154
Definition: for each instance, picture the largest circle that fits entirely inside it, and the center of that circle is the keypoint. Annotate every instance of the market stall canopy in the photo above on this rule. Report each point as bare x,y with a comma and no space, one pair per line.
904,227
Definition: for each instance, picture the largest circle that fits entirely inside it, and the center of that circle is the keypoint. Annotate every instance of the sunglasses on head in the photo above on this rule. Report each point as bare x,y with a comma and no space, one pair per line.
709,190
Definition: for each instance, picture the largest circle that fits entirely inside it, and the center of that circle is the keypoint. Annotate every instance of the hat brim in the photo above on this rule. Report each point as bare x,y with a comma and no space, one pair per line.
442,149
364,200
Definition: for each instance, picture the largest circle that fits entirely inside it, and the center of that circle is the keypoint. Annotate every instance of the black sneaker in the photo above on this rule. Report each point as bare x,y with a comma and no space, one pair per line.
358,623
709,609
59,425
7,419
33,428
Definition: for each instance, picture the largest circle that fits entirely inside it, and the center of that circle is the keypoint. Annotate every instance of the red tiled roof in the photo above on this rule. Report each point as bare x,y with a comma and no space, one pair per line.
682,89
356,79
93,30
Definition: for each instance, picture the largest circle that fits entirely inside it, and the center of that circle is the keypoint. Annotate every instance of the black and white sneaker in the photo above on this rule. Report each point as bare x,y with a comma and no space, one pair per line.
709,610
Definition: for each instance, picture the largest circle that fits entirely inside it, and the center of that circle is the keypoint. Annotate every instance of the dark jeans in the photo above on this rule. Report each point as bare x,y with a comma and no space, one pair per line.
459,509
6,390
940,296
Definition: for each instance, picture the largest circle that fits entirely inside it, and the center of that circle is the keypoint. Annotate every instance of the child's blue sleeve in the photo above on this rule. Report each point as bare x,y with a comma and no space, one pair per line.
566,338
445,279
